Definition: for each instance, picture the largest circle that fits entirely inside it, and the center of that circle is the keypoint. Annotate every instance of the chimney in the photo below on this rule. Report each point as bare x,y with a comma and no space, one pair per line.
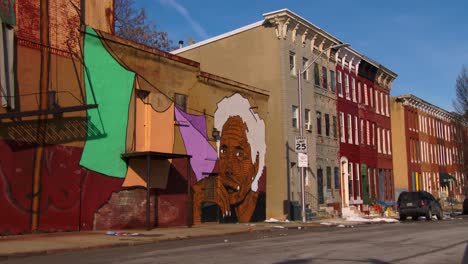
181,44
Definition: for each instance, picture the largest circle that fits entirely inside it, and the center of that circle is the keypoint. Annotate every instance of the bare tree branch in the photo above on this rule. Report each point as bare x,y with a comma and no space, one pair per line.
461,88
133,24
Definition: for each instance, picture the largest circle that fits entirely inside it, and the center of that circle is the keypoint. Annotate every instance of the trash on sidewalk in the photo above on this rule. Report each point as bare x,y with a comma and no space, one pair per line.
116,233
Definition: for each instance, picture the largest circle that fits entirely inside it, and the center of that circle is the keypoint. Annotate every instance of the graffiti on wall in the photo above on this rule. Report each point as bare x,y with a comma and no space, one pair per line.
241,151
83,188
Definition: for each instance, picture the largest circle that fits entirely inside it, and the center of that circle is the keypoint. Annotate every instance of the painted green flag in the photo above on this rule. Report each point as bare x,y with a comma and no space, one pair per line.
112,85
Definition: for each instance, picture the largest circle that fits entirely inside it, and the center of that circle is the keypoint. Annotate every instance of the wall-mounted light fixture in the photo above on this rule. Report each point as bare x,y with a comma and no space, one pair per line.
215,133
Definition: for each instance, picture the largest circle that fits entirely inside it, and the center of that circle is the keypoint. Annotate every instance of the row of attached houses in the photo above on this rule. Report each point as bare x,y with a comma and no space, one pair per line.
344,95
98,132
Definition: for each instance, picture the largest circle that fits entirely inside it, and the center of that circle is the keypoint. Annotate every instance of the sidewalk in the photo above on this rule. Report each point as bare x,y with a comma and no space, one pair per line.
50,243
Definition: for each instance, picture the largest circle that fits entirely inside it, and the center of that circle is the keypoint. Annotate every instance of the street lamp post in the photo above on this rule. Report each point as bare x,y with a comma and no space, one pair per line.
301,123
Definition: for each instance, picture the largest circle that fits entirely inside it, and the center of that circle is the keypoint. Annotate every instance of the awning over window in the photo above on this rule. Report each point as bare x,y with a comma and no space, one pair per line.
446,178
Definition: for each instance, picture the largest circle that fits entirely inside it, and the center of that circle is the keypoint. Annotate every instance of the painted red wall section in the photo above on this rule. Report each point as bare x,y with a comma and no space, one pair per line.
16,170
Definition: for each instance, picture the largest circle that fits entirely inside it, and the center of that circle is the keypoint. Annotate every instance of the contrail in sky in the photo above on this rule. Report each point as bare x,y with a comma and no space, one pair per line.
199,30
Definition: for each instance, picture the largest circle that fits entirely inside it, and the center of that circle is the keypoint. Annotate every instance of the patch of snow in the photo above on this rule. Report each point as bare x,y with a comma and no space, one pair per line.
327,224
372,220
341,226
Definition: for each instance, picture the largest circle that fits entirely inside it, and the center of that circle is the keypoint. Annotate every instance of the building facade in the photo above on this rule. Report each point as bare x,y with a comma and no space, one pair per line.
98,132
268,54
433,146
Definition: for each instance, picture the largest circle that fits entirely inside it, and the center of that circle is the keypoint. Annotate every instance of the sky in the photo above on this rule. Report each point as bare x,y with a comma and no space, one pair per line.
425,42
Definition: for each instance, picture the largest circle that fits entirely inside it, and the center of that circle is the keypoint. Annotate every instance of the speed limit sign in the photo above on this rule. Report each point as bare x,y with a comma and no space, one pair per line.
301,145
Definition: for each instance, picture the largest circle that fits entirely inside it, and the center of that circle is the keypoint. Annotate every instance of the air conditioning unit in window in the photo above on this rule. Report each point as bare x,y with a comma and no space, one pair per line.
308,127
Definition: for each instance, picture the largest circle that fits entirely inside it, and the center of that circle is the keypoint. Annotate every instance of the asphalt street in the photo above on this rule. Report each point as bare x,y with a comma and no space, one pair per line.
406,242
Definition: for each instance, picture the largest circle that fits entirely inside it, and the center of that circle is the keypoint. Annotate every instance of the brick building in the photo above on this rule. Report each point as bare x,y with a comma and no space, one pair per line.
432,143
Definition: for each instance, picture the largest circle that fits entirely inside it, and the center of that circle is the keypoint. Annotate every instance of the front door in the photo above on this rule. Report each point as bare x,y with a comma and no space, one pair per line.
320,186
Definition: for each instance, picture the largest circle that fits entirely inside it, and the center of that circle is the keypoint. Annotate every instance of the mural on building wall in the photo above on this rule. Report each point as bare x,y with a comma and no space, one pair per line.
241,150
89,187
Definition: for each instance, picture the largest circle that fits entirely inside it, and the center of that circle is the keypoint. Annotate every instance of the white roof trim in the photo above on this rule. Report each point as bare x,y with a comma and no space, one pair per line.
213,39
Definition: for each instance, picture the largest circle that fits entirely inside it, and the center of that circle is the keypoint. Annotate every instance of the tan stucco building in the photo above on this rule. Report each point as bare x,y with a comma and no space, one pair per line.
267,54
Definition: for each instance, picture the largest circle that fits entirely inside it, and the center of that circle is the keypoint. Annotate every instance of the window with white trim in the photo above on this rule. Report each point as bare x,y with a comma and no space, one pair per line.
362,132
292,63
366,100
342,127
378,139
356,131
346,79
377,101
373,134
353,89
389,142
368,132
359,92
340,84
388,105
295,113
350,129
371,97
381,104
384,142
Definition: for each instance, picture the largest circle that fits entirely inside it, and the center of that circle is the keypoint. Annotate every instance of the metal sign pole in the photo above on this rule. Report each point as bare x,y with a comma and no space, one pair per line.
301,133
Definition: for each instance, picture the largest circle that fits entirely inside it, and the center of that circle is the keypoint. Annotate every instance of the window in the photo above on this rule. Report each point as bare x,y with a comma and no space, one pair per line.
329,178
381,104
7,78
373,134
350,180
362,131
358,191
334,127
387,105
377,101
316,75
342,127
371,96
337,178
367,133
353,89
378,139
319,123
340,85
324,78
327,125
294,116
307,118
350,129
304,65
292,63
359,92
366,102
384,142
181,101
332,81
356,133
346,79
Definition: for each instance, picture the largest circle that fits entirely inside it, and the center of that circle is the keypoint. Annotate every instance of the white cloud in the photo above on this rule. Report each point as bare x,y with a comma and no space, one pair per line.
199,30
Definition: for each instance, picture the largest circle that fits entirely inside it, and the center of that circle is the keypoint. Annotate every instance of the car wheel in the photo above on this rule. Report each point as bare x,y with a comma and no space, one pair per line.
402,217
429,214
440,215
415,218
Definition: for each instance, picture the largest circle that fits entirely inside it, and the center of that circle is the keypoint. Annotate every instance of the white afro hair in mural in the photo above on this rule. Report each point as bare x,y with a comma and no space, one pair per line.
236,105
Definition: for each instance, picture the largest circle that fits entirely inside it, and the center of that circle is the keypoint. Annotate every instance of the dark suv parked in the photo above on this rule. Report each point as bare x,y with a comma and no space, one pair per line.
465,206
417,204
